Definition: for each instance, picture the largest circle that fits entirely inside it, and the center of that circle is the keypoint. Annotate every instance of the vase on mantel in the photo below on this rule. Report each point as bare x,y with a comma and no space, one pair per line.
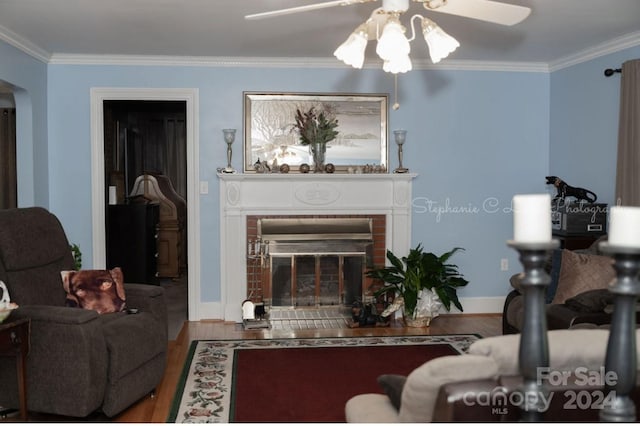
318,151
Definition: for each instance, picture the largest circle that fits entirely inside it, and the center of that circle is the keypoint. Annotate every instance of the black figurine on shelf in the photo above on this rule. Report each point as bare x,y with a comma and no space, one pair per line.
565,190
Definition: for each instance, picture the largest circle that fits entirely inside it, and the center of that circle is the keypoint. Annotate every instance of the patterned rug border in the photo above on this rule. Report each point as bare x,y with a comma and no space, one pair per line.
218,356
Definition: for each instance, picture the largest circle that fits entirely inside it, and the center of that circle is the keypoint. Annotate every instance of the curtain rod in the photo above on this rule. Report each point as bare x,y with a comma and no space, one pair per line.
611,71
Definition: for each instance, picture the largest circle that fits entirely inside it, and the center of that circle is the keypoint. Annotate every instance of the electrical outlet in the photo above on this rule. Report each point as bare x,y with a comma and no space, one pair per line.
504,264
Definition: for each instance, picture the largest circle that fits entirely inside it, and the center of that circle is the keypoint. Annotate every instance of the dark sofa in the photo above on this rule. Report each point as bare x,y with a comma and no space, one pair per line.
578,292
79,361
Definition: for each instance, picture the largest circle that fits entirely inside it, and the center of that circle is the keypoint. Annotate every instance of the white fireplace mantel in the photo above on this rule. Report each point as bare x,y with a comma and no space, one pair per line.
243,195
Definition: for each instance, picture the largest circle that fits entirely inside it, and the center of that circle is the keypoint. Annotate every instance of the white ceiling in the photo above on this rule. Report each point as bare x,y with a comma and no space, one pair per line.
55,29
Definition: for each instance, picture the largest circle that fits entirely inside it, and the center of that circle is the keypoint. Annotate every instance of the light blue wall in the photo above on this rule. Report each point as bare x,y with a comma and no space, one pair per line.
29,78
475,138
584,124
472,137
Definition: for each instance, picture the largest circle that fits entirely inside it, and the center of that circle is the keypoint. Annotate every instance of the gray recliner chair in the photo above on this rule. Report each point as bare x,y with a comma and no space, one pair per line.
80,361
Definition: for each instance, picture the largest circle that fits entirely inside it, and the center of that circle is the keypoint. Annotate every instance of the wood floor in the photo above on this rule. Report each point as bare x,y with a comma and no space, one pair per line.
157,409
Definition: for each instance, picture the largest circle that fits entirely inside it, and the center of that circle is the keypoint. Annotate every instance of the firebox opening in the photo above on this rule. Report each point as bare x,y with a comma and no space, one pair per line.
315,262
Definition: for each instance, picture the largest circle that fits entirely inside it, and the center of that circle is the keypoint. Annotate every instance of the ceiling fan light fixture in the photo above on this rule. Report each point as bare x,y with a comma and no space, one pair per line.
393,46
440,43
393,43
351,52
399,64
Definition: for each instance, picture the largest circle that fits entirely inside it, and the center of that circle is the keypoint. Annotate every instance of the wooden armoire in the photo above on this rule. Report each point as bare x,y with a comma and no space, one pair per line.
172,224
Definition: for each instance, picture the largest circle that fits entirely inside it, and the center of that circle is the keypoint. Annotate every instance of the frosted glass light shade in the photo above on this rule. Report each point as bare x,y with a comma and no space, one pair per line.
440,43
351,52
229,135
400,136
392,42
399,64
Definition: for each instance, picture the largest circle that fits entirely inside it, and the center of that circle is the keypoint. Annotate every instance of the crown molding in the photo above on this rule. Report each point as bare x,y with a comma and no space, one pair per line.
24,44
203,61
495,66
138,60
612,46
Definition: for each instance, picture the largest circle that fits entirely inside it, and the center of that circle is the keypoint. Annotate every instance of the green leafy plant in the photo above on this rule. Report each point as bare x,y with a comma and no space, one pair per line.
417,271
77,256
315,127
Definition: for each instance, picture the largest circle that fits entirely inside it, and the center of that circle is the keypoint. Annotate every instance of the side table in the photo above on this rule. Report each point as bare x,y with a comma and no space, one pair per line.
14,341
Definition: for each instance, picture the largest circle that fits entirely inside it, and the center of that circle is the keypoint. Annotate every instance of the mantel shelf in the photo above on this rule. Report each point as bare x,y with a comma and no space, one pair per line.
311,176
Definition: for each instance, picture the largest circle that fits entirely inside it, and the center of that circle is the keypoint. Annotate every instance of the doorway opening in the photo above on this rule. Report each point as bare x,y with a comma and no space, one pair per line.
8,162
99,199
145,178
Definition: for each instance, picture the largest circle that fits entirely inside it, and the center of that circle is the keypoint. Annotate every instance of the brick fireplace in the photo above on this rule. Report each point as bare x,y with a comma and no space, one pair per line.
385,199
313,260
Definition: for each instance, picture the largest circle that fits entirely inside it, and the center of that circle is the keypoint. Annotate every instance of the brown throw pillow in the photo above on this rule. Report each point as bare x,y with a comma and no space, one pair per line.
582,272
99,290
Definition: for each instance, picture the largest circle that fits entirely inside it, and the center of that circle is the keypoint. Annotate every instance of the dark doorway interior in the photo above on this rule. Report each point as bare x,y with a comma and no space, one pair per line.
8,169
146,136
146,189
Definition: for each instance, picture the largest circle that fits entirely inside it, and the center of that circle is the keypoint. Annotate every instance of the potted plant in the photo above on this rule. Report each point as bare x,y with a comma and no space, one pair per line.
77,256
422,283
316,130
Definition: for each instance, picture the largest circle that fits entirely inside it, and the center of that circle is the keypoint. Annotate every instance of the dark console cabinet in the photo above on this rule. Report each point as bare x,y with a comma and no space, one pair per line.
132,241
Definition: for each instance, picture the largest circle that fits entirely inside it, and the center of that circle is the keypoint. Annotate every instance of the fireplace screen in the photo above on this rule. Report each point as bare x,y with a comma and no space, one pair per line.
316,262
316,280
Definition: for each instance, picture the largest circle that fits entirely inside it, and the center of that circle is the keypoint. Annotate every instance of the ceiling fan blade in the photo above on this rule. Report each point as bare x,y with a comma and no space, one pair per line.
306,8
484,10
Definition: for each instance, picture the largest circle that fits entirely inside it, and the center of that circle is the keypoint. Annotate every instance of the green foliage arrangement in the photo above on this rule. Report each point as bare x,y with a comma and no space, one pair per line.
315,127
420,270
77,256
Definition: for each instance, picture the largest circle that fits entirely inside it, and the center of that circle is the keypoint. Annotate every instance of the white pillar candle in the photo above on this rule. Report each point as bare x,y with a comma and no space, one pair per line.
532,218
624,226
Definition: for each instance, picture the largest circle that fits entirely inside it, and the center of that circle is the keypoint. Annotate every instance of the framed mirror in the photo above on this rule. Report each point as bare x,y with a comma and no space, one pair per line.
270,136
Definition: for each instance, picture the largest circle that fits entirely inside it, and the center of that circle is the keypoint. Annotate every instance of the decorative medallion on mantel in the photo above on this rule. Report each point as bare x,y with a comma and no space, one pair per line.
233,194
317,193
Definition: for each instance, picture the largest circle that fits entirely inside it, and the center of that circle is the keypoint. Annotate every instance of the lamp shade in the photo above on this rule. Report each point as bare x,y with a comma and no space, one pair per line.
440,43
398,64
400,136
229,135
351,52
393,43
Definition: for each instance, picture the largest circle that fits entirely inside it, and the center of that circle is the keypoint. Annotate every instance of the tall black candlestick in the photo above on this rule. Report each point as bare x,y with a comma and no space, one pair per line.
534,348
621,349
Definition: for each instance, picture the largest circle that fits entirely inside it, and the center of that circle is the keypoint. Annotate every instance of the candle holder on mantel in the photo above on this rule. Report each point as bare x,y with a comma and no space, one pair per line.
621,355
534,346
400,137
229,137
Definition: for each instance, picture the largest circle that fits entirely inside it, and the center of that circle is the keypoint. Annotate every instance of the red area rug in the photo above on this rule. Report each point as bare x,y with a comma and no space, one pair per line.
295,380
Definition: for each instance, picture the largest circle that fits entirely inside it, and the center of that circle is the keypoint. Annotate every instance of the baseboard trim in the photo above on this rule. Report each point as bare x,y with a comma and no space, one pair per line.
471,305
479,305
210,311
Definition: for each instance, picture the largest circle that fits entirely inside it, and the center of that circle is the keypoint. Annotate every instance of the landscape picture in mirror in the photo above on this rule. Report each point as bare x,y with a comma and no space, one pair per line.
271,138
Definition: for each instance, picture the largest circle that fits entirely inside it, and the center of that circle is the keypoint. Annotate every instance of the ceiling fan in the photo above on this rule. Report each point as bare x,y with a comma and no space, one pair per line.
384,26
485,10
